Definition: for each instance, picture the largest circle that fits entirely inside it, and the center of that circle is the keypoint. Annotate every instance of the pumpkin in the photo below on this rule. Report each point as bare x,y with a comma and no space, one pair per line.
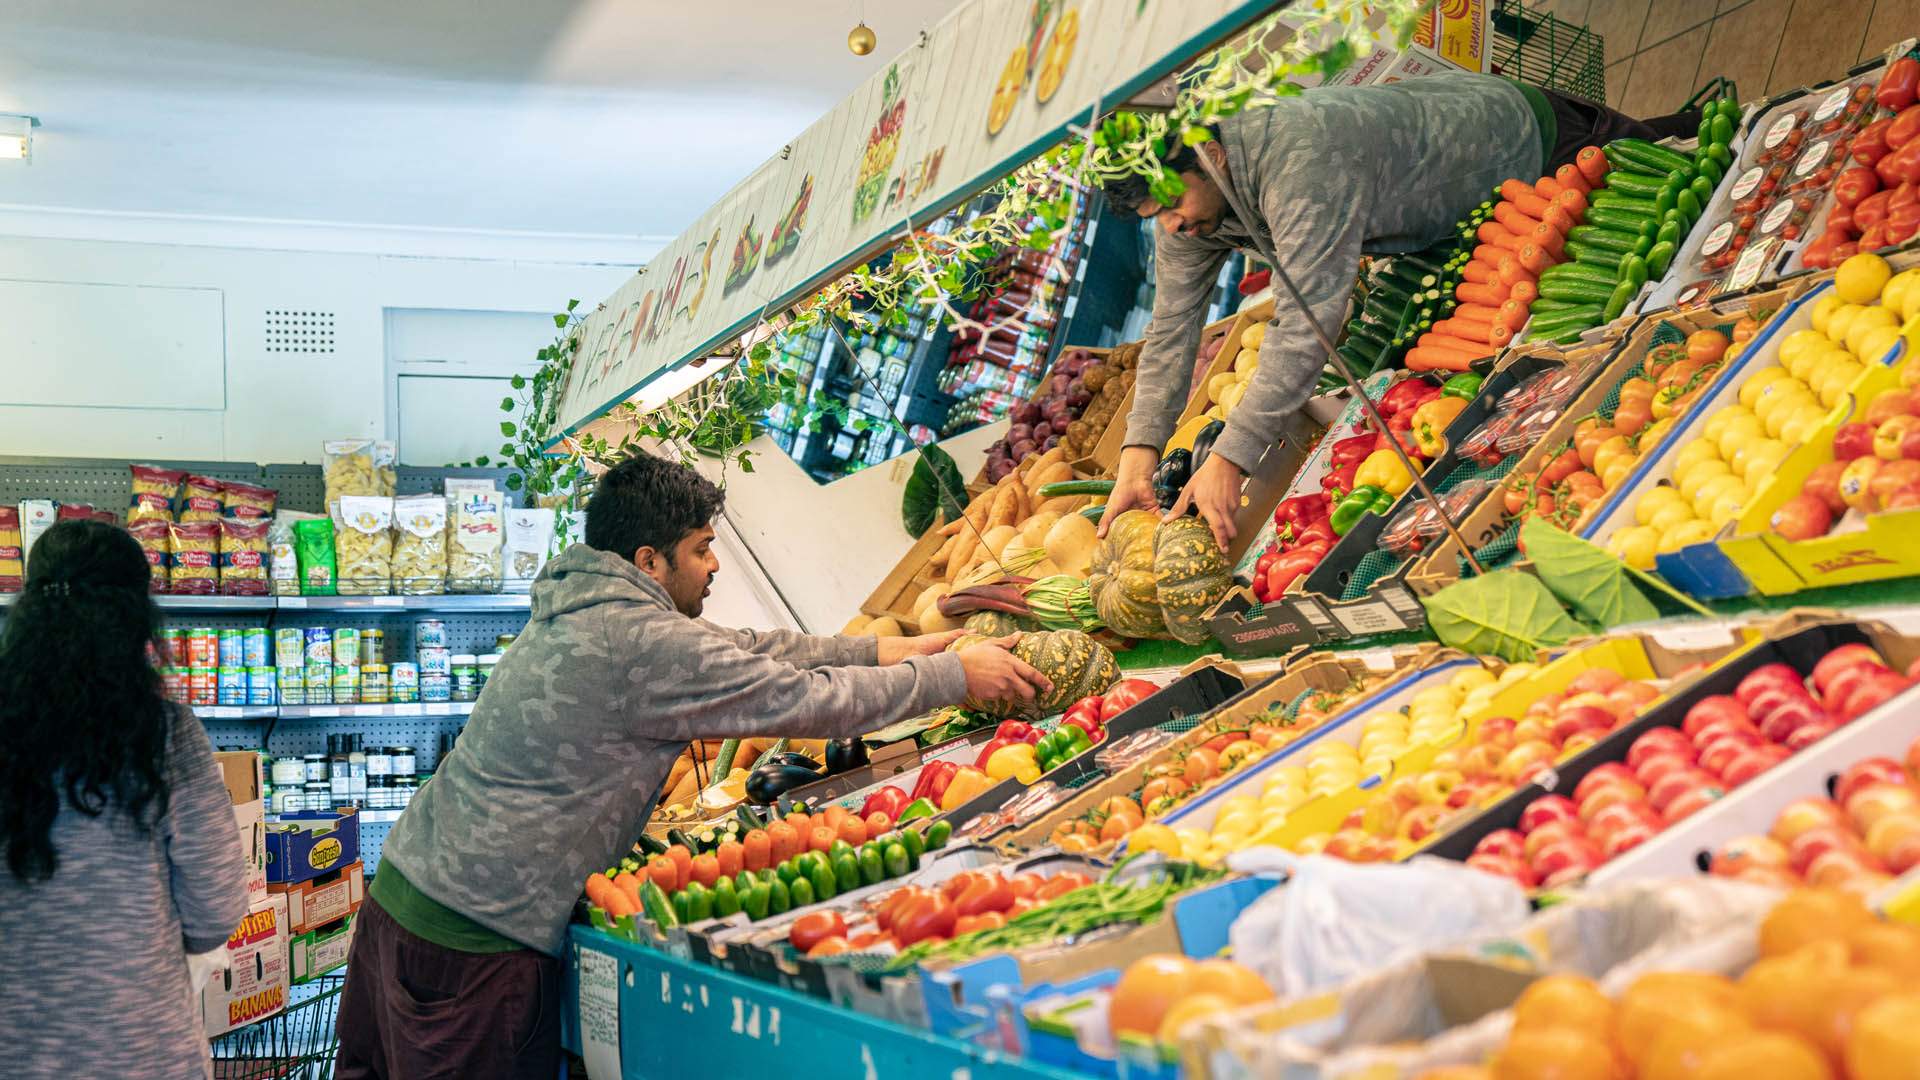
1190,575
1077,665
996,624
1121,576
968,640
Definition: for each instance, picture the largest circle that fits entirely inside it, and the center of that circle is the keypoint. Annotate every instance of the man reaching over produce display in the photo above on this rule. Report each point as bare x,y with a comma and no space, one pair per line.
454,969
1333,173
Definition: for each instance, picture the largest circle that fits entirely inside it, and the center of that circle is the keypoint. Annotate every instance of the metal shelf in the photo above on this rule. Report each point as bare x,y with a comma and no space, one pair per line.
450,604
235,712
427,708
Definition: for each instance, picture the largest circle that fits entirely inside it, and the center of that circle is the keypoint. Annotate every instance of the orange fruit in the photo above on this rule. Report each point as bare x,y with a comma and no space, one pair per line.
1890,946
1690,1029
1780,991
1191,1008
1235,982
1836,1008
1075,843
1885,1041
1771,1054
1148,988
1554,1053
1564,1001
1808,915
1647,1004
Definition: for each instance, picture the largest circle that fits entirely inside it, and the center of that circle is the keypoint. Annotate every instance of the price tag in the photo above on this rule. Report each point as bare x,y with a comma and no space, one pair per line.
1749,180
1747,269
1547,780
294,602
1380,660
436,708
387,601
1369,618
600,1014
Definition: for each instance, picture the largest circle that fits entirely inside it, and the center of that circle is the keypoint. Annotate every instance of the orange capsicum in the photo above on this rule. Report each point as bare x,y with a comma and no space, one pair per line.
1430,424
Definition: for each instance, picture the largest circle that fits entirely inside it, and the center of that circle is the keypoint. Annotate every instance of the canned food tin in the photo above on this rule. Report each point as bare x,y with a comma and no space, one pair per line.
434,688
290,647
173,647
232,648
289,800
373,647
174,679
346,685
485,670
346,646
231,683
317,684
466,677
292,683
319,646
201,686
257,647
404,674
501,642
435,662
203,647
261,683
373,684
403,760
289,771
430,634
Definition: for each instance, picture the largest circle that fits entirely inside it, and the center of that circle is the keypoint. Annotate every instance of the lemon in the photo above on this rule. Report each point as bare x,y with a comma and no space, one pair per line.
1516,672
1655,500
1469,680
1690,532
1822,310
1834,382
1910,304
1695,452
1842,321
1860,279
1873,318
1763,458
1763,448
1776,406
1636,545
1757,383
1155,837
1714,490
1895,293
1670,515
1239,804
1718,422
1696,478
1331,751
1738,432
1289,775
1801,426
1800,343
1878,342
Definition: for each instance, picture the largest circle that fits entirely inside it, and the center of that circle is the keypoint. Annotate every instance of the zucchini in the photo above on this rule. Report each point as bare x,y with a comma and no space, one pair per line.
1544,325
1576,290
748,818
1635,184
1605,258
1075,487
723,761
1576,271
1620,218
1392,290
1602,237
1613,199
1643,156
658,908
651,845
1092,513
677,835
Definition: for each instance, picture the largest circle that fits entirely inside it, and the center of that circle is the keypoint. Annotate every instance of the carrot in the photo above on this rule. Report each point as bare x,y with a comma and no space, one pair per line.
1513,314
1513,272
1527,202
731,856
833,815
1593,165
756,850
1466,329
1468,293
1432,340
1481,273
1423,358
802,823
1500,336
683,865
1478,312
664,872
1492,232
1514,190
1559,219
1524,291
1548,188
1569,176
1572,203
606,896
1534,258
821,838
1516,222
628,886
1550,239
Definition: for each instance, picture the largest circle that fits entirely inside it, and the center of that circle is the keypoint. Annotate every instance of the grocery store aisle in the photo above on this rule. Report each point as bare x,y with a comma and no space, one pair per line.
1658,52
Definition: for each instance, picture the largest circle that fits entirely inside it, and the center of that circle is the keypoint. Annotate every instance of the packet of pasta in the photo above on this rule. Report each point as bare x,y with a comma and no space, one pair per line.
13,563
153,492
201,499
243,557
249,501
156,543
347,469
313,547
420,545
474,537
529,539
363,545
194,567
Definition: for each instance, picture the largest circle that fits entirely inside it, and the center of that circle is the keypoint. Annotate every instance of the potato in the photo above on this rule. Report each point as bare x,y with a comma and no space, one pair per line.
1033,531
884,626
1252,336
997,539
856,625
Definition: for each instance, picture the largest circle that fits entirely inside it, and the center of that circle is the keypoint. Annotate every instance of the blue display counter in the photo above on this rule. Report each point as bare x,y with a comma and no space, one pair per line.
659,1016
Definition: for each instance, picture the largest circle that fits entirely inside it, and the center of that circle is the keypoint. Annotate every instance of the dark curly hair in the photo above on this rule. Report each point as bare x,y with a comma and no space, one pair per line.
647,501
83,715
1126,193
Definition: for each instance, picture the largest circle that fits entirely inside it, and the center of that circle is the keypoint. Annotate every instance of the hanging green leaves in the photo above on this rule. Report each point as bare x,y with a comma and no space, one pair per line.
934,488
1507,613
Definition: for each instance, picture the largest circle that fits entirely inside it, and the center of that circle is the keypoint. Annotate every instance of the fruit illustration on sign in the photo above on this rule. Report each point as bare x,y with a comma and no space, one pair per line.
1039,13
1006,92
746,258
788,230
1053,69
883,145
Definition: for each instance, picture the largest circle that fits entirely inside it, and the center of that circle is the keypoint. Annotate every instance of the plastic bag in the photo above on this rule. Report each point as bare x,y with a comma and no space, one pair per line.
1336,920
359,467
313,546
283,557
249,501
420,545
529,538
13,565
474,537
363,545
202,498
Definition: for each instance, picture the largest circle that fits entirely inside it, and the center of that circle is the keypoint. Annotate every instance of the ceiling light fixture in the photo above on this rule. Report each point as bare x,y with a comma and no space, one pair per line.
16,137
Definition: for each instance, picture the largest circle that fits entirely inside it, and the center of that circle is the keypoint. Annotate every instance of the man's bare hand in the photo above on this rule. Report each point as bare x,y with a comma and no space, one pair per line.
995,674
894,650
1214,491
1132,486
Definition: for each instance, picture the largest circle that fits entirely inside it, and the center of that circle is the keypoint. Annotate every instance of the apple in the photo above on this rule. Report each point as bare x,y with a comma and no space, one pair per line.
1835,868
1502,842
1675,784
1610,818
1601,775
1448,759
1574,852
1894,476
1627,837
1614,794
1897,402
1749,764
1807,734
1659,765
1878,688
1496,728
1790,716
1904,497
1532,728
1895,841
1482,761
1912,757
1348,844
1574,719
1774,674
1714,729
1845,682
1597,680
1887,436
1548,808
1856,484
1638,693
1721,752
1867,771
1745,852
1471,792
1689,802
1803,815
1708,709
1767,699
1823,483
1813,843
1841,658
1553,832
1422,821
1525,761
1657,741
1871,802
1852,441
1506,866
1579,741
1433,786
1910,445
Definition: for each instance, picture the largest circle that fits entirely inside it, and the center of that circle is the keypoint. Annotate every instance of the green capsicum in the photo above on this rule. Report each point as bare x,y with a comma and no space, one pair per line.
1358,503
755,903
800,893
1465,386
915,810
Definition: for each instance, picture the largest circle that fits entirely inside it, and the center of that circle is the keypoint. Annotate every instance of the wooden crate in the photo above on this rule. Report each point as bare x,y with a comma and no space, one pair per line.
1197,401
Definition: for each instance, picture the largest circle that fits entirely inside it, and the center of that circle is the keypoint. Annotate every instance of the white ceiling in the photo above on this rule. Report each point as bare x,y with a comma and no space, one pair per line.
606,117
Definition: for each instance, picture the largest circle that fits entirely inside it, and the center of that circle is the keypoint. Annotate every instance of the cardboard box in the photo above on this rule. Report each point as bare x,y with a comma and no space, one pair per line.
318,951
254,986
240,772
321,900
303,846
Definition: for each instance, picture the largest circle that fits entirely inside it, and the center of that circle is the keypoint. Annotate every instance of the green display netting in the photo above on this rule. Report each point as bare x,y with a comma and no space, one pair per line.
1380,562
1180,725
1085,778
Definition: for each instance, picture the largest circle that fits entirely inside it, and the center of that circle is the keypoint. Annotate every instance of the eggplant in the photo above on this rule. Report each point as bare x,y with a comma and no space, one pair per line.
1171,477
1203,443
844,754
774,779
790,757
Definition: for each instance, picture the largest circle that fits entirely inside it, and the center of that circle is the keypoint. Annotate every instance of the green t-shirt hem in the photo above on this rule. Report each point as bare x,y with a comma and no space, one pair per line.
1542,116
424,917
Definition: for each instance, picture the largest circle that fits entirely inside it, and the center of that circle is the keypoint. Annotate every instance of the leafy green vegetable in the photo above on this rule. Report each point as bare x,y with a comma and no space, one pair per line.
1507,613
1592,582
954,722
1654,582
934,488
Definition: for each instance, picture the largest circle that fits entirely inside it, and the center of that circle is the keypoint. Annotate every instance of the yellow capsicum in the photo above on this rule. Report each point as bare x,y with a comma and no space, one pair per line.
1017,761
1430,424
1383,469
965,784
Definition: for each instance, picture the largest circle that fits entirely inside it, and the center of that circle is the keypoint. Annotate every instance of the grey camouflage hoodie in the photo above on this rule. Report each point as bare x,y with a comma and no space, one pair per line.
564,756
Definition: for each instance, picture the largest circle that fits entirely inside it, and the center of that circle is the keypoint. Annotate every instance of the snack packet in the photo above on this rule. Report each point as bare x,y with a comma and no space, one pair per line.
313,547
243,557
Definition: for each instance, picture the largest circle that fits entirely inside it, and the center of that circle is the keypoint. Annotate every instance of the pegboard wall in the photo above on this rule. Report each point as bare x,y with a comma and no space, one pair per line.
107,484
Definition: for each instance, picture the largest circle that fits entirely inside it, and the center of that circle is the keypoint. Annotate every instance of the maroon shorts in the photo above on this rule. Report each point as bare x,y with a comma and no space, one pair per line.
413,1010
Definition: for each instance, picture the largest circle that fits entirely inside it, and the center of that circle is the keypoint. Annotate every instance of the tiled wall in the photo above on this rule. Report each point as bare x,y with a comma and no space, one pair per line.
1658,52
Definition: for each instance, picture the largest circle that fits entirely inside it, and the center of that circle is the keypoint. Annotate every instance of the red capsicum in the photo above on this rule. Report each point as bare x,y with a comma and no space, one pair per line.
1018,730
934,778
1125,694
1088,710
1341,479
1404,395
1351,450
1871,144
1899,85
888,800
1298,511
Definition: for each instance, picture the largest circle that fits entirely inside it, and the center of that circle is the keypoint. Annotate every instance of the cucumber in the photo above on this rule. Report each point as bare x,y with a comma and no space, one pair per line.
1613,199
1570,335
1576,271
1617,301
651,845
1721,155
1660,258
1636,184
1605,258
658,908
1576,290
1644,156
1588,314
1669,234
1601,237
723,761
1366,331
1702,189
1722,129
1075,487
1634,268
1092,513
1643,245
1391,290
1663,199
1618,218
1545,308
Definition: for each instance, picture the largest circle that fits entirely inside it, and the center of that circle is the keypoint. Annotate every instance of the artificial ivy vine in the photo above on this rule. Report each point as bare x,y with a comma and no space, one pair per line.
938,267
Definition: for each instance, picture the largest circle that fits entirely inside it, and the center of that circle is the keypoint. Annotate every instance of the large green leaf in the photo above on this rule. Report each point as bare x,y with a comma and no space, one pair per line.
1507,613
1584,576
935,487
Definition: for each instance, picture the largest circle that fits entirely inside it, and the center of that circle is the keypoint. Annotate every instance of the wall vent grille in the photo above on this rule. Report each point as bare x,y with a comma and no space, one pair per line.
289,331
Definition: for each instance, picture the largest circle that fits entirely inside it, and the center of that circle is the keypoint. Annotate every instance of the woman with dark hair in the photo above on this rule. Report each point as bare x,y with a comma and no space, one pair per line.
120,852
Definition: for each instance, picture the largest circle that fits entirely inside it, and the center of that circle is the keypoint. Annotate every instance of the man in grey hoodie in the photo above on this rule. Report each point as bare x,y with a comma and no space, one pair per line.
454,968
1329,175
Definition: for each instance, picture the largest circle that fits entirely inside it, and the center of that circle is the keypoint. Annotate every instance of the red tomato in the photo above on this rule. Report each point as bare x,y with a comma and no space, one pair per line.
923,917
1025,885
1855,183
1904,127
1871,144
815,927
1874,238
1902,223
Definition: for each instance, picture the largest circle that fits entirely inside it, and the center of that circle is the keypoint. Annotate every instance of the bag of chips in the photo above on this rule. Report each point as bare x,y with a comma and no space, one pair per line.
529,540
313,547
153,492
420,545
474,537
243,557
363,545
194,567
156,543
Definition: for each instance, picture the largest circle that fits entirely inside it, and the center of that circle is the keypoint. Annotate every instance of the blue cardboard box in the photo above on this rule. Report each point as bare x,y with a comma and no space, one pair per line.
302,846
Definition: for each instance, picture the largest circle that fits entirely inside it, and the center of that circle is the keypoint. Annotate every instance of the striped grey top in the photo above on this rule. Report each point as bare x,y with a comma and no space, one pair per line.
93,962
